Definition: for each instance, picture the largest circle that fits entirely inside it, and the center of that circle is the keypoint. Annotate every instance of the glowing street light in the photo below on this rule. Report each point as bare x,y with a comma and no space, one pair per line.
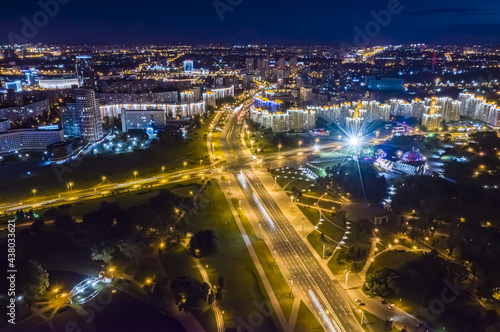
103,178
135,174
163,169
279,147
185,164
34,192
300,143
251,142
69,185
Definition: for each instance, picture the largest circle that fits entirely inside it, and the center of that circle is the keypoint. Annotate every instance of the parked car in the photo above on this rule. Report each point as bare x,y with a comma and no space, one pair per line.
357,300
391,306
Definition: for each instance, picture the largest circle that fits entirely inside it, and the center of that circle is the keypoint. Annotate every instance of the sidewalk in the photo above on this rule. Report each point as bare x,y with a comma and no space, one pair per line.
267,285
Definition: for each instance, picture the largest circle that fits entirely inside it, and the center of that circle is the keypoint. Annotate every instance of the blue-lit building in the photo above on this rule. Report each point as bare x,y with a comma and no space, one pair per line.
384,84
31,76
188,66
16,86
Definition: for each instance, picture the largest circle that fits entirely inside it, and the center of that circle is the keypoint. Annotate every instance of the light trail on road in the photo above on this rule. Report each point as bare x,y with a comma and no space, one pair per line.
296,256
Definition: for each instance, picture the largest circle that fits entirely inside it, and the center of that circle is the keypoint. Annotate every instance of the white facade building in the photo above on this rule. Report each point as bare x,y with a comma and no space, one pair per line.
18,140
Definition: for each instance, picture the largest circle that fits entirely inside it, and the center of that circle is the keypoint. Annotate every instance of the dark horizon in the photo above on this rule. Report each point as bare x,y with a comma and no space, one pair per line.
243,22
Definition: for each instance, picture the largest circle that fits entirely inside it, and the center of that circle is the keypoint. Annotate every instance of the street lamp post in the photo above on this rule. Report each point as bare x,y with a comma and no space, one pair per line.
69,185
291,204
279,148
163,169
229,186
135,174
362,316
274,255
292,278
300,143
346,276
103,179
34,192
185,164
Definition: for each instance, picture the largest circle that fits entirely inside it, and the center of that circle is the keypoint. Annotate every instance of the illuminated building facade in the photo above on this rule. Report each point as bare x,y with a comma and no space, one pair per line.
171,110
432,117
293,120
18,140
188,66
25,112
143,119
89,115
85,72
58,83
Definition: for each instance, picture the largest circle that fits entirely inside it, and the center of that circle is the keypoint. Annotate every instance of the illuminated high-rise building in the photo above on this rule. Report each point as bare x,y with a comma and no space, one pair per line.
263,66
188,66
85,72
432,118
89,115
250,65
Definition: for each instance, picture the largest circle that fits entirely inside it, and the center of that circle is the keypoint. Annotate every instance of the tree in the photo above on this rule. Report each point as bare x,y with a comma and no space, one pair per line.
129,249
221,282
204,243
37,225
188,292
388,325
102,253
32,281
63,221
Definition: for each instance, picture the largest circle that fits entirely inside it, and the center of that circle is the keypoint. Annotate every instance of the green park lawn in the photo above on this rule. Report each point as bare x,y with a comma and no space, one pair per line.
242,288
326,227
306,321
273,273
392,259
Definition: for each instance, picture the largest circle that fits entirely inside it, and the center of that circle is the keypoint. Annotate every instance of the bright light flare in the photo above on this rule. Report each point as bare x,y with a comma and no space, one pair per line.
354,141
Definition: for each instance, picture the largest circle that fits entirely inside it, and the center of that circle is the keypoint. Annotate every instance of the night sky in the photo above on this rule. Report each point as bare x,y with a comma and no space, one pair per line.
257,21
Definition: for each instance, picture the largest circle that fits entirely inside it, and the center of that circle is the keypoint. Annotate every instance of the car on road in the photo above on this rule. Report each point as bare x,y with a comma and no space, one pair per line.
391,306
362,304
357,300
383,302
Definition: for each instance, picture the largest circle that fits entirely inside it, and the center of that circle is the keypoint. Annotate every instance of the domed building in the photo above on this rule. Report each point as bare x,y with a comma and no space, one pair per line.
412,156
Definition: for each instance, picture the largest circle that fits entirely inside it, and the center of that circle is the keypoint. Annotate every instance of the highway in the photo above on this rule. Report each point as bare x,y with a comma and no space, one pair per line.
313,284
103,189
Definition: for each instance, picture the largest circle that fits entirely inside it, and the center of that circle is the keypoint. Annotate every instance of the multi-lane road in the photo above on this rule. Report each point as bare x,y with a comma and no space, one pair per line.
103,189
311,281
